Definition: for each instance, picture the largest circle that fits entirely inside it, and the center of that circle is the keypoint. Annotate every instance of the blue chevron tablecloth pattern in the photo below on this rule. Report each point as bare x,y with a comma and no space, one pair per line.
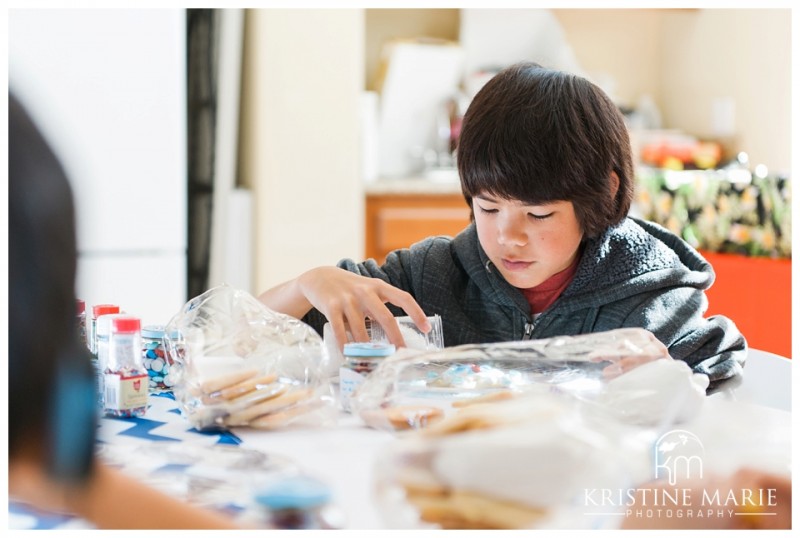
161,431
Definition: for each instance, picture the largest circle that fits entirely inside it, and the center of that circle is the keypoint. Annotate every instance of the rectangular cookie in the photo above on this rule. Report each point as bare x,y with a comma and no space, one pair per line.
241,418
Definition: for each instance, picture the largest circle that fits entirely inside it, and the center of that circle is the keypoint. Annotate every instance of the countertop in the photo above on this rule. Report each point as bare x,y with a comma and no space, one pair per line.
414,185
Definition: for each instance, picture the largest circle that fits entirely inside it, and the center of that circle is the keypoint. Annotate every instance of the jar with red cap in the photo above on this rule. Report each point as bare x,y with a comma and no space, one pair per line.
125,386
97,311
80,320
102,336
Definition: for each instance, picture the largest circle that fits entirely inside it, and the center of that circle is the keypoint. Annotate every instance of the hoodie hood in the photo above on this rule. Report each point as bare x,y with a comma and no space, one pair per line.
633,257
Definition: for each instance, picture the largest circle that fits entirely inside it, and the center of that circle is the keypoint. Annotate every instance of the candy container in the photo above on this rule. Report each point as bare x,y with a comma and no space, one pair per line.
156,361
125,387
298,502
101,334
97,311
360,358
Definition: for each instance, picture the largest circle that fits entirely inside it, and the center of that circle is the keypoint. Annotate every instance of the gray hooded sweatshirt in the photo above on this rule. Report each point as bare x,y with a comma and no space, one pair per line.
637,274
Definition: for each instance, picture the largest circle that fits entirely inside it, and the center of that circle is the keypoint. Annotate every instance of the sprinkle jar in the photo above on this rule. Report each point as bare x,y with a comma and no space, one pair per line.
101,333
125,387
97,311
360,359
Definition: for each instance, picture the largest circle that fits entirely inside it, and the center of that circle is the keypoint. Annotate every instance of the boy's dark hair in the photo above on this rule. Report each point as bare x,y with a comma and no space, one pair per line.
538,135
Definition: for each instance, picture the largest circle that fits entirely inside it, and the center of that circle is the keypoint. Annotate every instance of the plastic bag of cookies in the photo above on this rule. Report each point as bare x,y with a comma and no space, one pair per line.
519,463
414,389
238,363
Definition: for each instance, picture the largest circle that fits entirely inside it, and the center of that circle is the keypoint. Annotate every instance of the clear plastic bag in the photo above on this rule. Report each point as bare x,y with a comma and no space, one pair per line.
412,389
413,337
523,435
518,464
238,363
548,439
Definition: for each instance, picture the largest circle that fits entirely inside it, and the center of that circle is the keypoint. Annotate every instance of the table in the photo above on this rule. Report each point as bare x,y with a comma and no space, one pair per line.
767,380
162,424
341,456
344,456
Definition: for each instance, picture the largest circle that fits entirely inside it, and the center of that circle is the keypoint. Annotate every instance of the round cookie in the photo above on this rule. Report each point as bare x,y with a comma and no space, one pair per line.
405,417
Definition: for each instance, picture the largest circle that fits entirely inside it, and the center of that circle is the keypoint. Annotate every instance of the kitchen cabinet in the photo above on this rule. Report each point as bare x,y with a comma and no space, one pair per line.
397,220
756,293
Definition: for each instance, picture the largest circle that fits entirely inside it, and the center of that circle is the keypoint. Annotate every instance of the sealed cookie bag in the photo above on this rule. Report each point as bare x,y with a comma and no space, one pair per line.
624,373
522,463
238,363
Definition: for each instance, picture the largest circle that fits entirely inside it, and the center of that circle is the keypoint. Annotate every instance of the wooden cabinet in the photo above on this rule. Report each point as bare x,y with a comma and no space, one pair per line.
395,220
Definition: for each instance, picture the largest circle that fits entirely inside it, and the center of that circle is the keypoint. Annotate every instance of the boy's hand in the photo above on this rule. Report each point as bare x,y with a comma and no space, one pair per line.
347,299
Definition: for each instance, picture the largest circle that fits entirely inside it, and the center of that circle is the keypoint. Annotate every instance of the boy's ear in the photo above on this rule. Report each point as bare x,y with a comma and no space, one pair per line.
614,184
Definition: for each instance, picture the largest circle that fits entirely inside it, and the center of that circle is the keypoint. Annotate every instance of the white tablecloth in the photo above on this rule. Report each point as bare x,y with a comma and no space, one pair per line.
343,457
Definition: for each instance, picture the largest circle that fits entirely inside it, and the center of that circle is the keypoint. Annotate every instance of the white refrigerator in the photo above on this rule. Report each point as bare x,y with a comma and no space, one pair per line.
108,89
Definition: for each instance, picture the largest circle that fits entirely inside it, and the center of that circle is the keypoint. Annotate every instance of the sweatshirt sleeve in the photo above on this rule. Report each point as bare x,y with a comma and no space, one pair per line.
712,346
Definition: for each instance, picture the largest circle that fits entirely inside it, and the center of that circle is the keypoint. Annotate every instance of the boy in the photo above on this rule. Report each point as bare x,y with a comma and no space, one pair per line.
545,165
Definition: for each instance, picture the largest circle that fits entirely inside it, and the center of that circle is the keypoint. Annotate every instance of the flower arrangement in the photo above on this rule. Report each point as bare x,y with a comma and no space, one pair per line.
722,210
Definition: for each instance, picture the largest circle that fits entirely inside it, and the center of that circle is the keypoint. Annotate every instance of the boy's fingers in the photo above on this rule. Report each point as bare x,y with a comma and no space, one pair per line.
354,315
420,319
339,332
405,301
380,314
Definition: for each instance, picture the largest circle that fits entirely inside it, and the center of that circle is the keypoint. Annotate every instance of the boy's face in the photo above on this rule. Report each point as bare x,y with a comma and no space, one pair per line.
527,243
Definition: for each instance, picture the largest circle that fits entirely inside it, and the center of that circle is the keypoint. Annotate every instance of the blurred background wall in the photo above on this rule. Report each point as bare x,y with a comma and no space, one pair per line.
303,73
308,81
711,72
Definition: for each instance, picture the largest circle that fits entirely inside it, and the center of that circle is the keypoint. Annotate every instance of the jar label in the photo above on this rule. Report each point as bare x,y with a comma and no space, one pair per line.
349,381
125,392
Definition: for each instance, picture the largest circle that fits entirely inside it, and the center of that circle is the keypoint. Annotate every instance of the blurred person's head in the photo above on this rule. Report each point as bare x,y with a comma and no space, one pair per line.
52,414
